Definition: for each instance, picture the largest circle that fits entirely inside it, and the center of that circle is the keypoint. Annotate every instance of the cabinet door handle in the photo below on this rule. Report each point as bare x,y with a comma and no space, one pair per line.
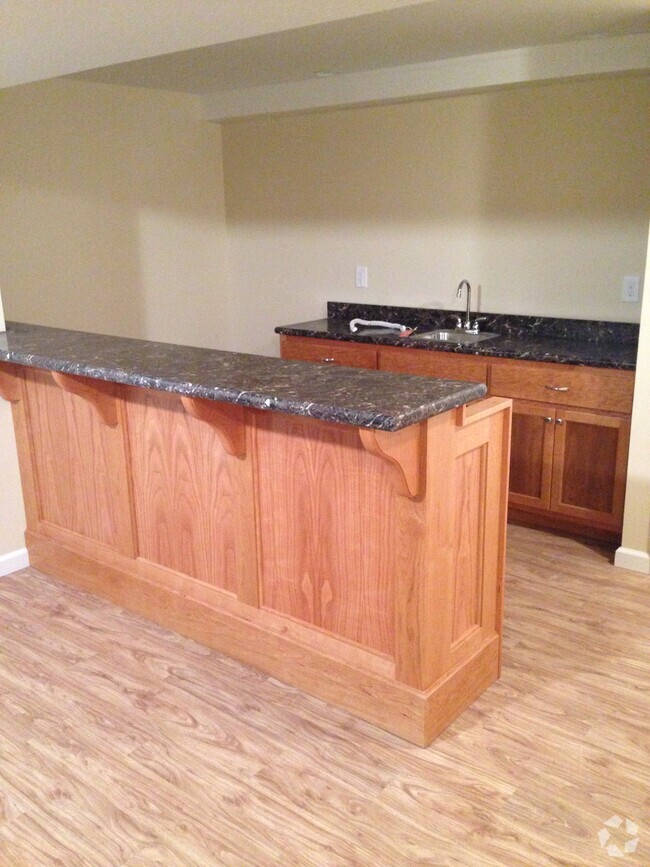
328,360
548,419
559,421
557,387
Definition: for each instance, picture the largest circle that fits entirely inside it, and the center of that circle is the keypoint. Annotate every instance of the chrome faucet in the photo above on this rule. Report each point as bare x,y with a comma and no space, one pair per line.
467,324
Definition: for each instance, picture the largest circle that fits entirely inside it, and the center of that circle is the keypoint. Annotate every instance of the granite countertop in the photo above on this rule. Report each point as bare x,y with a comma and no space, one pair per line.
364,398
563,341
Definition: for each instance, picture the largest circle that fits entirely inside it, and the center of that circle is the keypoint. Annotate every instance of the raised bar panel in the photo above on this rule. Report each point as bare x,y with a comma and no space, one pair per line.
79,465
469,478
327,528
184,493
229,422
479,532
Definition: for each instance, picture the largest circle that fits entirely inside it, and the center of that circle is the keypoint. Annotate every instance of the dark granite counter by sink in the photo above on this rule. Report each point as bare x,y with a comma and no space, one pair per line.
563,341
371,399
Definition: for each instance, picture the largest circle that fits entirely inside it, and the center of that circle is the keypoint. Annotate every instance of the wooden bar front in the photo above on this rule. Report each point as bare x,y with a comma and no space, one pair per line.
361,566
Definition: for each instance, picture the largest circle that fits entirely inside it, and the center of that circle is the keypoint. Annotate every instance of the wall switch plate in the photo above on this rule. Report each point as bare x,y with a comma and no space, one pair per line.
361,277
630,288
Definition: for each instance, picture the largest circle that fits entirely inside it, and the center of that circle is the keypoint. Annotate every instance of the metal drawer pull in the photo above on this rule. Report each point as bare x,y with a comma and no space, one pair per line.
548,419
328,360
559,421
557,387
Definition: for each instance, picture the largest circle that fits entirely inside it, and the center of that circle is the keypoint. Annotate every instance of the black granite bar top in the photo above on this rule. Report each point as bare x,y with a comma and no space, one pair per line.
364,398
563,341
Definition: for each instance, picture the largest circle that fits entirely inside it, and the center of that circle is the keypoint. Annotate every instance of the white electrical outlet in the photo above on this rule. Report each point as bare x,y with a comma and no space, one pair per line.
361,277
630,288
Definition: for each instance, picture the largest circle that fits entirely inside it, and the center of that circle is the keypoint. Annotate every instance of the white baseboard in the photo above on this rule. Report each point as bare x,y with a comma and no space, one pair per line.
13,561
637,561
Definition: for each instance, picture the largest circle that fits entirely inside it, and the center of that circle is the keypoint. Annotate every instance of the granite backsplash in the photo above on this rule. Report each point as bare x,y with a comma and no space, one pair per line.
508,325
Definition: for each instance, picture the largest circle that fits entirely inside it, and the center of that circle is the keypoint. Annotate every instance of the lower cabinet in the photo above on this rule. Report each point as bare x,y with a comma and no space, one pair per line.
328,352
570,427
423,362
570,438
531,454
569,462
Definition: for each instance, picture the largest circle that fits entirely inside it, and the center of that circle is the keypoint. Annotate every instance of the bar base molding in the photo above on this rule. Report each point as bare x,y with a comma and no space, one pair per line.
417,716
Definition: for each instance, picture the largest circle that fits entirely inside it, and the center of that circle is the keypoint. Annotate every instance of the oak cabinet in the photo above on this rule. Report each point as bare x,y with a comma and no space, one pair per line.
563,384
422,362
328,352
533,434
570,427
589,466
569,462
570,438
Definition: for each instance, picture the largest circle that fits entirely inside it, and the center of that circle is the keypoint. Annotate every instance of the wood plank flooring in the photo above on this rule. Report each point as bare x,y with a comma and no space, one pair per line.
124,745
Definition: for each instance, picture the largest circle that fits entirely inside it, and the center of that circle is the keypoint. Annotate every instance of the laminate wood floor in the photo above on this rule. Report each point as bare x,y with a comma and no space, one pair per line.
124,745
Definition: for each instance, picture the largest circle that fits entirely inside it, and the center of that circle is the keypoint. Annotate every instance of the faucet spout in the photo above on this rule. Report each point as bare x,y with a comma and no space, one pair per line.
467,324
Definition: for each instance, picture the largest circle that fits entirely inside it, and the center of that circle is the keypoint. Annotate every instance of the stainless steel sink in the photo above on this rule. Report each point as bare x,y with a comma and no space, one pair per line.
444,335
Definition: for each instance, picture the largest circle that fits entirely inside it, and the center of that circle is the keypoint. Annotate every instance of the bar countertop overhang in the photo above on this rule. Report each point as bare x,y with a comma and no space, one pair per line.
365,398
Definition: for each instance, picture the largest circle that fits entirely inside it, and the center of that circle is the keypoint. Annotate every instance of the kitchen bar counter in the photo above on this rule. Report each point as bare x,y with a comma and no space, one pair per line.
362,565
375,400
562,341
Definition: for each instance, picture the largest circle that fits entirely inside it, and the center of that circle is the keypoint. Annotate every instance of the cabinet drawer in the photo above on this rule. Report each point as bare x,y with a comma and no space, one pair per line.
327,352
444,365
564,385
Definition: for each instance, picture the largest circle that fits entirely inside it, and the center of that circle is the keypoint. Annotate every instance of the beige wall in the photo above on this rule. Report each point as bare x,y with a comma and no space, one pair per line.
539,195
12,514
111,207
114,196
634,552
111,202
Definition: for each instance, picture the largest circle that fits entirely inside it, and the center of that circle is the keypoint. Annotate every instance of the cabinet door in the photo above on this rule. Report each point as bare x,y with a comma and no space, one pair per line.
531,455
328,352
589,466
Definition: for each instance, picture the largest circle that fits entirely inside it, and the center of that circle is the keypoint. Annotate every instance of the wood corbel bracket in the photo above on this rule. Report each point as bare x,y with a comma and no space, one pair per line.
96,392
227,419
10,382
404,452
